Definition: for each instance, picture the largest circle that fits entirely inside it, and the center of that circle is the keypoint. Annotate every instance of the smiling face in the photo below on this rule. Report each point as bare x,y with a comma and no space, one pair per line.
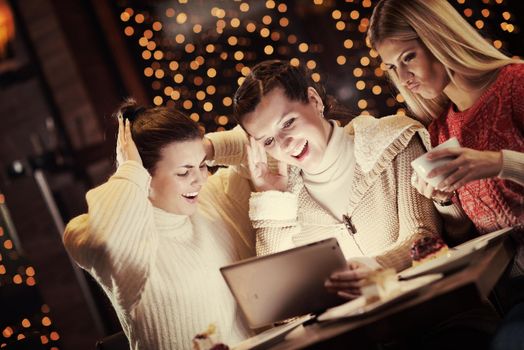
293,132
178,177
417,69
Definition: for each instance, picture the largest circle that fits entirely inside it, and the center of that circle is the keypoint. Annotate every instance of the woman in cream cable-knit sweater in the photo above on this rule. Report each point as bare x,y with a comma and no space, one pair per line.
156,255
351,183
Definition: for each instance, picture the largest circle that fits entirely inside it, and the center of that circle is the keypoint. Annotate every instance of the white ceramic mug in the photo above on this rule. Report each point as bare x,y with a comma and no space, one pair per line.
422,165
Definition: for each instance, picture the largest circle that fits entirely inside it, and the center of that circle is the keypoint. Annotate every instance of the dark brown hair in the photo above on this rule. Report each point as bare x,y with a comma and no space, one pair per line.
294,80
153,128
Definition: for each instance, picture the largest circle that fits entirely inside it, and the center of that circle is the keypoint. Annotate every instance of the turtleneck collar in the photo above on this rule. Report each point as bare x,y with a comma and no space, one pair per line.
330,185
331,166
170,224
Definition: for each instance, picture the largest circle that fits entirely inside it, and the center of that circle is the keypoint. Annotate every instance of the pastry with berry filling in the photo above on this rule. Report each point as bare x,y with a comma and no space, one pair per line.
208,340
428,248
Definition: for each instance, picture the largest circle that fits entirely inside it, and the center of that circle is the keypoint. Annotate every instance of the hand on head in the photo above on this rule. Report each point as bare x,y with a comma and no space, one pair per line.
125,146
469,165
263,179
347,283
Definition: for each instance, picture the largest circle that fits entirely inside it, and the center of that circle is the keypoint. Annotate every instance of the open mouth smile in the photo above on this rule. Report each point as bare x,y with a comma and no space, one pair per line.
300,152
191,196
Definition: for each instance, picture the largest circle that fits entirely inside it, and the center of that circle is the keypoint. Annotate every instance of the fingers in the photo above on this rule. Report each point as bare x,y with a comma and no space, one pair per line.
443,153
127,132
349,275
353,265
251,160
455,180
338,285
422,186
253,148
261,153
428,191
282,169
348,295
447,168
120,135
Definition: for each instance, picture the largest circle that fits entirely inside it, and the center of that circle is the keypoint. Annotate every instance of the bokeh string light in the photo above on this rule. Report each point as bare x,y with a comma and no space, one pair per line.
24,315
194,54
351,18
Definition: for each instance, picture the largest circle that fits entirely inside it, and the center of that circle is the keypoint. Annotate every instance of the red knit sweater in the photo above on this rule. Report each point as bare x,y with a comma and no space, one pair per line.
494,122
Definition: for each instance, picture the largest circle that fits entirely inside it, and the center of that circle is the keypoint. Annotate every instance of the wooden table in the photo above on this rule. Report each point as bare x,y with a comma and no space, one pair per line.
456,292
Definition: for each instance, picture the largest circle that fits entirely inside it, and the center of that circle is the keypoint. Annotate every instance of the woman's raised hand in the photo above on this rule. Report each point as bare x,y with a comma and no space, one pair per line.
261,176
125,146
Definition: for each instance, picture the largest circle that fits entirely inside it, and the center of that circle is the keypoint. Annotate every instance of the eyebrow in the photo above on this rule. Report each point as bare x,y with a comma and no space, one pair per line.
403,52
188,166
278,122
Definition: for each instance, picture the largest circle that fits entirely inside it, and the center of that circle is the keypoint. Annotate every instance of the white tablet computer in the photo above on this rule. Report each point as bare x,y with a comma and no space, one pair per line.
290,283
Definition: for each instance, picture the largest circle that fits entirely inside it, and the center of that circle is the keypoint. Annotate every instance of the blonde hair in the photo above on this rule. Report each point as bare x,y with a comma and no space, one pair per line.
448,36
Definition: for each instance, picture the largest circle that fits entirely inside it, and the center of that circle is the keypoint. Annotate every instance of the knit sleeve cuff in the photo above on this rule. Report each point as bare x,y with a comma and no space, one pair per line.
134,172
228,146
452,210
273,205
512,166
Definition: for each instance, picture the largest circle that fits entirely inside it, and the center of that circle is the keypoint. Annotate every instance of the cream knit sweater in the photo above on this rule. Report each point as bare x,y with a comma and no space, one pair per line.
386,212
161,270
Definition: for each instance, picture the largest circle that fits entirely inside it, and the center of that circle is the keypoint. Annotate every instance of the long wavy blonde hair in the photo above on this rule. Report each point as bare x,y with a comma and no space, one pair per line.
449,37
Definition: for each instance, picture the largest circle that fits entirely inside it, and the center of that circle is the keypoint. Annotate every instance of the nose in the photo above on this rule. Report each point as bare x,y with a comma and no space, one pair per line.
284,141
200,177
404,75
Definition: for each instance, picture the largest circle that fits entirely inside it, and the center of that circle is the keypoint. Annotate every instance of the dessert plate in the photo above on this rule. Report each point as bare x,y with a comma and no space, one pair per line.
271,336
456,257
451,261
359,308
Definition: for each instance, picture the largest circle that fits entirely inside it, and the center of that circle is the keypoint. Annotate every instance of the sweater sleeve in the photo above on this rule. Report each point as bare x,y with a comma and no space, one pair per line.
115,240
225,197
457,225
512,166
229,146
512,161
416,214
274,217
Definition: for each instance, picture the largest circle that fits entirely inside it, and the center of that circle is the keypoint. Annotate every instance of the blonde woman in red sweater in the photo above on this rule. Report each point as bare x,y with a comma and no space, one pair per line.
460,86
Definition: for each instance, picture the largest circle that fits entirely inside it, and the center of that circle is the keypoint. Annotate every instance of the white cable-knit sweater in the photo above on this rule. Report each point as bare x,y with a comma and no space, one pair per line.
387,213
161,270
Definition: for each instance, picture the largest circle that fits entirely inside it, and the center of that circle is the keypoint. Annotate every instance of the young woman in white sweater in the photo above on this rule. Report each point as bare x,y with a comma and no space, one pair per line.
155,234
322,180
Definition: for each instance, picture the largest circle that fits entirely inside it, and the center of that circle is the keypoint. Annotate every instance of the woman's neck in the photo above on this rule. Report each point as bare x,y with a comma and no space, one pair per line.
464,94
328,129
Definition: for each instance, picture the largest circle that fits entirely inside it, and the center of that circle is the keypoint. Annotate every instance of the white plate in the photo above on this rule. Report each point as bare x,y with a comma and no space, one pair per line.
358,307
484,239
456,257
453,260
271,336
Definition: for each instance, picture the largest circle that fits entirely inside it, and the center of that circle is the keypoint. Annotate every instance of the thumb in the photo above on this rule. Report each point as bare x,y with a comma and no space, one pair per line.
282,169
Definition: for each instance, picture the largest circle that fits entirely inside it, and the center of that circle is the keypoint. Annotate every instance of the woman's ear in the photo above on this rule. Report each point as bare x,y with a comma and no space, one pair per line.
315,99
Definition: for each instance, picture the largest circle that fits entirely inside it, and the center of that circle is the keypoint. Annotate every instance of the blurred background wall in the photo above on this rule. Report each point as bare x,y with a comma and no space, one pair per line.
66,65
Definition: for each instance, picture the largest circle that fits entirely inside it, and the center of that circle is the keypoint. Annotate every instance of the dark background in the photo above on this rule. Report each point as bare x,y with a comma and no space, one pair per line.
66,66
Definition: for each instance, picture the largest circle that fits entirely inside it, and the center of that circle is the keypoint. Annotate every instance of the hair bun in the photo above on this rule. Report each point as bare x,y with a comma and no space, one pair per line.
129,110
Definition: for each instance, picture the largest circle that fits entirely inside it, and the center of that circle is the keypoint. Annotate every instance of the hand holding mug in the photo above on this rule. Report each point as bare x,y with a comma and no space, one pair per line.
468,165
